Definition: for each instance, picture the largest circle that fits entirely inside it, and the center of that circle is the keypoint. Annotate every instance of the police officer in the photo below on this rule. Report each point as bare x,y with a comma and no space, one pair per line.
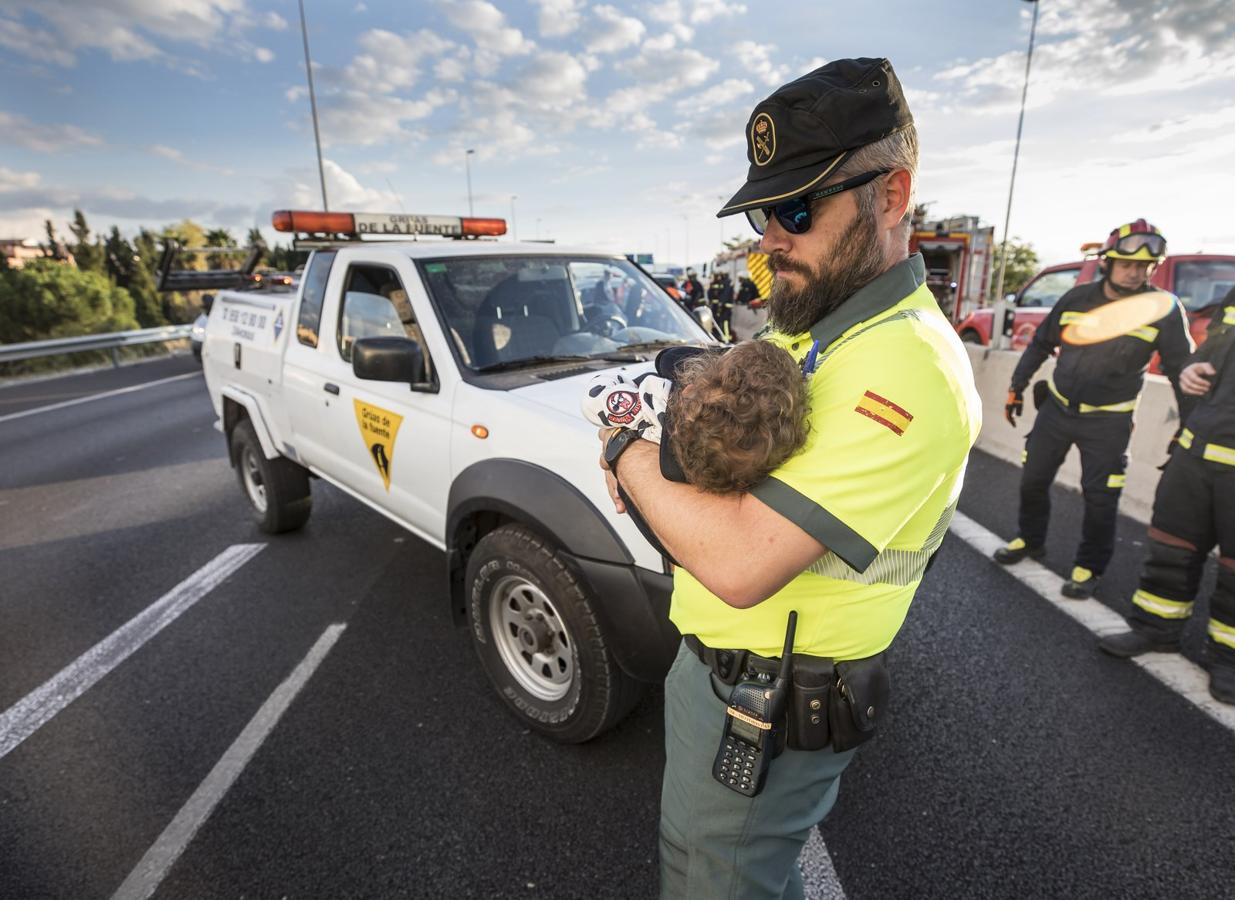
720,299
1194,509
1090,401
844,529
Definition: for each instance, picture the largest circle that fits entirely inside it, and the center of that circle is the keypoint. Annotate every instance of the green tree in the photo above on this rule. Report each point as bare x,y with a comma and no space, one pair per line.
53,248
128,270
87,253
221,237
1023,264
44,299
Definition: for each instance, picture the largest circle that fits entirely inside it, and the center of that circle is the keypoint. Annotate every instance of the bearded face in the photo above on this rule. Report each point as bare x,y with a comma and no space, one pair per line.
856,260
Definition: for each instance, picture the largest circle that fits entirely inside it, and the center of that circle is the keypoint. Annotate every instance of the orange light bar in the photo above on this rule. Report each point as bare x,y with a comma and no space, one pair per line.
485,227
310,222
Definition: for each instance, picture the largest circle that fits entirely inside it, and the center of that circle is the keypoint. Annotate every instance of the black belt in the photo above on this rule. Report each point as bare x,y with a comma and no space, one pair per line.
730,665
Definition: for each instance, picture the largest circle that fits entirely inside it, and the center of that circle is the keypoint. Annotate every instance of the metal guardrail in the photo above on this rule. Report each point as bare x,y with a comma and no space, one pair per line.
112,342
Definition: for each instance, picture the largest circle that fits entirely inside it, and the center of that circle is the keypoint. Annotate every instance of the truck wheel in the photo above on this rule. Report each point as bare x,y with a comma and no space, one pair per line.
969,336
535,629
278,489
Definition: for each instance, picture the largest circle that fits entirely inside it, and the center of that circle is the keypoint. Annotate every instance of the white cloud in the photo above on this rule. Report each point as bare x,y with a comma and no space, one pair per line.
672,73
452,68
707,10
559,17
1108,48
132,30
178,156
758,60
11,179
390,61
366,119
342,188
614,30
551,81
263,55
18,130
35,43
717,95
487,27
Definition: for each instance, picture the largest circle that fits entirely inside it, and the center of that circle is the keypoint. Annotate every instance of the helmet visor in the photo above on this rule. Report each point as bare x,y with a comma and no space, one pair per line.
1139,246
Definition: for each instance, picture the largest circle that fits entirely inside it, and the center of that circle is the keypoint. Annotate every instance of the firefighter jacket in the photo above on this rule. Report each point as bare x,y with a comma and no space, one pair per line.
1212,419
1105,377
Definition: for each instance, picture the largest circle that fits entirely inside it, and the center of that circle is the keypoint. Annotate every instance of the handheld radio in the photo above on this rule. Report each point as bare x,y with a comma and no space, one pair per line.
754,721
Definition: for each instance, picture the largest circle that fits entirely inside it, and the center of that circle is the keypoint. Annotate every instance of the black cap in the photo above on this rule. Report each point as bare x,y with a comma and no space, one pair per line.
800,134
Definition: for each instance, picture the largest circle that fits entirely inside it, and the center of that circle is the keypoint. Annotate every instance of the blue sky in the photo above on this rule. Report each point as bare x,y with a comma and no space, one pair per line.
617,125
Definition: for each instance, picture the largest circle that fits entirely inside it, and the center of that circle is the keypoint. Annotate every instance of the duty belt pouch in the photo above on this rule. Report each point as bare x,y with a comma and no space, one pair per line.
813,681
859,700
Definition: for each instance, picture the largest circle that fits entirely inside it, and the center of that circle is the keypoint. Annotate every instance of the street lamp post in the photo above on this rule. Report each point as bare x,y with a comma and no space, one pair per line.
317,138
997,335
467,164
514,223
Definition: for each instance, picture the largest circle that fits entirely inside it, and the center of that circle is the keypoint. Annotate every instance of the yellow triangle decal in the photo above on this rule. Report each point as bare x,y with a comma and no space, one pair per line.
378,429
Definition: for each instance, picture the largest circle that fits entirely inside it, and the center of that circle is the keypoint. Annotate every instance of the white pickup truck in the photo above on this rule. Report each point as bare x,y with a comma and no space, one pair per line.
438,381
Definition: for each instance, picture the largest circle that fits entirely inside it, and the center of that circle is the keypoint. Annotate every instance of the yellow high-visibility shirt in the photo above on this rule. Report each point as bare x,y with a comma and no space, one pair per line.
894,413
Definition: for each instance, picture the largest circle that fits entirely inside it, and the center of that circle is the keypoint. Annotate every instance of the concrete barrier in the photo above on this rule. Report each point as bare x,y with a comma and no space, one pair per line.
1156,420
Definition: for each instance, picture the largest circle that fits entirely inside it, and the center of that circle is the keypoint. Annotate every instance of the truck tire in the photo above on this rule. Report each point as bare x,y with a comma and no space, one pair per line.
969,336
535,629
277,489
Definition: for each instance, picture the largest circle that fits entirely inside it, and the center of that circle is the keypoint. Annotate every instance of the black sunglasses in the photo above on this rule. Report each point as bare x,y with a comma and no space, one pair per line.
794,215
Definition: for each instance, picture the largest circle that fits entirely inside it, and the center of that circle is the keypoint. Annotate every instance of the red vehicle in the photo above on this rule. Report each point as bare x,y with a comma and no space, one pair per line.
1199,280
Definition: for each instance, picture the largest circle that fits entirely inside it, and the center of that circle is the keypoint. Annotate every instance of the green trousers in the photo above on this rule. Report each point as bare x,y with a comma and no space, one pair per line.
716,844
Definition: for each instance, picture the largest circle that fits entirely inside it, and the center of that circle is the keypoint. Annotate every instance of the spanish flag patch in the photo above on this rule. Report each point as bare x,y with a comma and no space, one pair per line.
884,411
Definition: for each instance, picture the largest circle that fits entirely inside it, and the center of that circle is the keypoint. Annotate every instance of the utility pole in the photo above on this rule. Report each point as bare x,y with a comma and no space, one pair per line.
997,336
467,164
317,138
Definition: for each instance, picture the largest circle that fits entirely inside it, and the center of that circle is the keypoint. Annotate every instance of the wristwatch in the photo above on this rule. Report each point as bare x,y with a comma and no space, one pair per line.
616,446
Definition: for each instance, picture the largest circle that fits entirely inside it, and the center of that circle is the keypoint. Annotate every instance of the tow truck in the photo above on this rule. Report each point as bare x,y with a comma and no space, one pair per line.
434,374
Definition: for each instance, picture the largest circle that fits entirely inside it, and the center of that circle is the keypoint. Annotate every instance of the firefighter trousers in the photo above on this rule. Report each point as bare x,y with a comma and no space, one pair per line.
1102,439
1194,510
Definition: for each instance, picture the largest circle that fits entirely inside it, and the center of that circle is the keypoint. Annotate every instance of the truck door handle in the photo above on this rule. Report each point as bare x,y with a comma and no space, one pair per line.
332,388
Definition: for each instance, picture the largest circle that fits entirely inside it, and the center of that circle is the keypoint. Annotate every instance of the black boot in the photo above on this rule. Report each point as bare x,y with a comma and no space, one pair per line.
1222,683
1081,585
1016,550
1127,644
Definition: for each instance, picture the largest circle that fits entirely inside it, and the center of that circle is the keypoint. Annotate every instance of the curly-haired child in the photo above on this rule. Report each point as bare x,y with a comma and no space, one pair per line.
724,419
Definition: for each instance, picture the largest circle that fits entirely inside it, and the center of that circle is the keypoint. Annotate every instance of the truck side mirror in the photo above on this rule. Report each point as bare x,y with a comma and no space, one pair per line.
704,317
207,302
397,359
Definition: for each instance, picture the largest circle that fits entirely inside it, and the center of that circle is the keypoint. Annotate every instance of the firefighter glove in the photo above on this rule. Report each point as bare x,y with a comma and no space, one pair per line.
1014,407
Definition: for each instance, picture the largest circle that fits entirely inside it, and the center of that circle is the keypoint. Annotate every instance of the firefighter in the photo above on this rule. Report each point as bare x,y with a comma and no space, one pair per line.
1194,509
747,291
693,289
1089,402
720,298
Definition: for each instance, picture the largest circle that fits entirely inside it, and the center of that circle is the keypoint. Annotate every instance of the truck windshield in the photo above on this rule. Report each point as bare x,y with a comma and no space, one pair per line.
502,309
1202,283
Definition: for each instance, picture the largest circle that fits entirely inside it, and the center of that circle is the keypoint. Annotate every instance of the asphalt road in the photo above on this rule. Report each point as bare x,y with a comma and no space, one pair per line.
1017,761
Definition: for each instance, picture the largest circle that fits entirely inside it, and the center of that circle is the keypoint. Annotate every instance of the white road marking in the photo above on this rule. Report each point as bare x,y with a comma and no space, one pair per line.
38,707
1179,674
91,397
818,874
150,871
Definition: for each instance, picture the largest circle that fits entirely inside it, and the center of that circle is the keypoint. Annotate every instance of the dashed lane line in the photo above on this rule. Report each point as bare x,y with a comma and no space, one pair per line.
1178,673
92,397
38,707
150,871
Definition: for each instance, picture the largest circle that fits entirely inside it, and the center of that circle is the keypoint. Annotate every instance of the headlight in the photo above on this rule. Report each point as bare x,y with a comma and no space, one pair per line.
198,332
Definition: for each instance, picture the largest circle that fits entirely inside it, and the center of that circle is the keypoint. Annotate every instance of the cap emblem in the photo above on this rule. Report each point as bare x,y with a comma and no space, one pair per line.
762,139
